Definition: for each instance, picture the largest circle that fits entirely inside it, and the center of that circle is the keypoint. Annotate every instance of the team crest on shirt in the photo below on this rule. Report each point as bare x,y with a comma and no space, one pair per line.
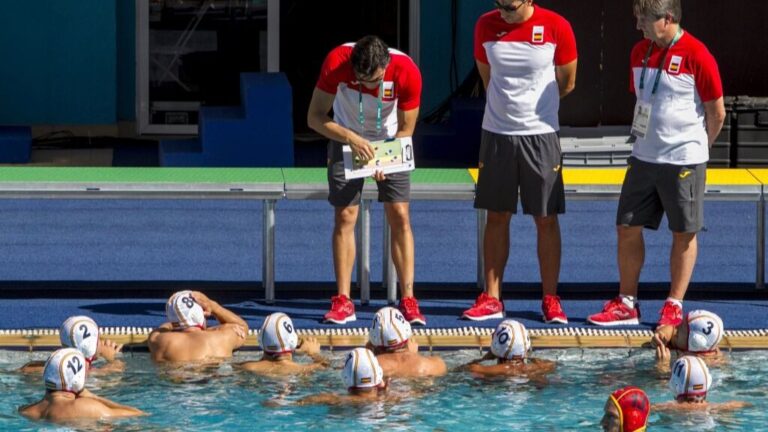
674,64
538,34
389,90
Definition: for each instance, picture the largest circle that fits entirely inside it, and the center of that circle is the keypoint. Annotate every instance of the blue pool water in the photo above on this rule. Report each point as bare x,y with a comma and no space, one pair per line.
225,399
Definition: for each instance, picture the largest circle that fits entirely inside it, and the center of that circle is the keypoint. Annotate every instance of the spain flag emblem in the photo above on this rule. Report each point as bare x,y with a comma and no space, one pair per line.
538,34
674,64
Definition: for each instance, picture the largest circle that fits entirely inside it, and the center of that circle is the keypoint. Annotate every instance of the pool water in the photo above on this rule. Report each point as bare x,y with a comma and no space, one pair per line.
225,399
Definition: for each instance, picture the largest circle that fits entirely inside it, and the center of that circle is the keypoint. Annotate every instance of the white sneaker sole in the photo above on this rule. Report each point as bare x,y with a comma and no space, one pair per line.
633,321
554,320
344,321
418,322
497,315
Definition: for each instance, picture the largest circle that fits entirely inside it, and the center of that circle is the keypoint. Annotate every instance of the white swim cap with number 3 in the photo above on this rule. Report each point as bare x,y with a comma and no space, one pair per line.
705,330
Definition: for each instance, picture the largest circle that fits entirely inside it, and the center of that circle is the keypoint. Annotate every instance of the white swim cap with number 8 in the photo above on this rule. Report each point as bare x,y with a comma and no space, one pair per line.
183,311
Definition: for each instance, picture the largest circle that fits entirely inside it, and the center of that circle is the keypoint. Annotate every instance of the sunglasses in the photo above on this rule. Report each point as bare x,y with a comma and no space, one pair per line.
507,8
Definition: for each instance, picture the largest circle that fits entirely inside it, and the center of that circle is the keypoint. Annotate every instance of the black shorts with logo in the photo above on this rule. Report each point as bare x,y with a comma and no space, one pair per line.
530,164
652,189
345,193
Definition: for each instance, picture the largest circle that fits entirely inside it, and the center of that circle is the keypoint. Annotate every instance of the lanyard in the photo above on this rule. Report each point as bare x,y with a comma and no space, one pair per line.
677,37
379,105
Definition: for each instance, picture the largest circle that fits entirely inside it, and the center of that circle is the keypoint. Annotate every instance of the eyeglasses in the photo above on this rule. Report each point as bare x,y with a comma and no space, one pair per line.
508,8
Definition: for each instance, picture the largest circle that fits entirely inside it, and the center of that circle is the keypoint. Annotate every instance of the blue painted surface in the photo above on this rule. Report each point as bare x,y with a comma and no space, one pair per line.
15,144
59,62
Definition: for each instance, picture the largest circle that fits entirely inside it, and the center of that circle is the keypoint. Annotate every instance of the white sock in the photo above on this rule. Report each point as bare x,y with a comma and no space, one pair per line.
629,301
679,303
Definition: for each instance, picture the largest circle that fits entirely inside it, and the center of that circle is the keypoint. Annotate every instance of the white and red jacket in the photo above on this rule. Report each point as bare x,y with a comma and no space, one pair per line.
676,132
402,90
523,97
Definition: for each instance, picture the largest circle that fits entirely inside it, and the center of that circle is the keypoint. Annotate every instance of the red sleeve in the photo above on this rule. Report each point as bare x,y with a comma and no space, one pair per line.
482,28
409,81
633,62
565,51
331,73
707,76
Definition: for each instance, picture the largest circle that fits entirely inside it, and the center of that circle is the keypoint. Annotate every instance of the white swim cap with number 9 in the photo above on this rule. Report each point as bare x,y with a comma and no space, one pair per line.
690,378
362,370
81,333
705,330
183,311
65,371
277,335
510,340
389,329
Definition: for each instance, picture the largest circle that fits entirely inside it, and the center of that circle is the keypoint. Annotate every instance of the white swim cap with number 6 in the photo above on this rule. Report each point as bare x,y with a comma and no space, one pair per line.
81,333
389,329
183,311
65,371
362,370
277,335
510,340
705,330
690,378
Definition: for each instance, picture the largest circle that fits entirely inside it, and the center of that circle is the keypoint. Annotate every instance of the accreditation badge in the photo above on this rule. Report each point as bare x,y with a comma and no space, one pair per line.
642,119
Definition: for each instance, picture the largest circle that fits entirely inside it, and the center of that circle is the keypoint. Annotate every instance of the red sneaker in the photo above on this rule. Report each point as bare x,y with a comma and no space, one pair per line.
615,312
671,315
552,311
485,307
342,310
409,306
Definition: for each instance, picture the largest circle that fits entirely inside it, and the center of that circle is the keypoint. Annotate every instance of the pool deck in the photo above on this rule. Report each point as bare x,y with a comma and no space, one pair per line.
129,321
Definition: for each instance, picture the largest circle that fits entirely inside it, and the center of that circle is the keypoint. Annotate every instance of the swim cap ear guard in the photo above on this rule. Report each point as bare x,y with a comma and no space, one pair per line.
390,329
82,333
277,334
705,331
633,406
65,371
362,370
184,312
510,340
690,380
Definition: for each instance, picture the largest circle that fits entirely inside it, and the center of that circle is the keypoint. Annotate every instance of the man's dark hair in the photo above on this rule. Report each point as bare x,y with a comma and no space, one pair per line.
369,54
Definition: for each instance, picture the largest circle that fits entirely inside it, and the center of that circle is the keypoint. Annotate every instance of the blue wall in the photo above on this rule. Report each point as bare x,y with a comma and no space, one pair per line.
59,63
435,50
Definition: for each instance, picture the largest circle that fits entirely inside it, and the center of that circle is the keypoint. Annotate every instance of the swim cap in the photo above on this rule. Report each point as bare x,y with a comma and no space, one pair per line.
510,340
389,329
690,379
362,370
277,335
633,406
184,312
65,371
81,333
705,330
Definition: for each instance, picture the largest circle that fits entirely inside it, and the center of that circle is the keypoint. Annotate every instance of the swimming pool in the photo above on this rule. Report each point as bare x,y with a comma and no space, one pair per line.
226,399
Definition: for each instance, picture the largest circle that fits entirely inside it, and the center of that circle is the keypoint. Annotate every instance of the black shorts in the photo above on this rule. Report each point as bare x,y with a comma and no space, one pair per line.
652,189
345,193
529,164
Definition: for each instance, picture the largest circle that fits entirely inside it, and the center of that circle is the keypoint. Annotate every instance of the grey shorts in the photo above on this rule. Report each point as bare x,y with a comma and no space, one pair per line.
531,164
345,193
651,189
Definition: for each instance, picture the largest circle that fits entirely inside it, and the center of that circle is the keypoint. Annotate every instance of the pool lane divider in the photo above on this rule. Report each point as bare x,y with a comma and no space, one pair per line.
428,339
